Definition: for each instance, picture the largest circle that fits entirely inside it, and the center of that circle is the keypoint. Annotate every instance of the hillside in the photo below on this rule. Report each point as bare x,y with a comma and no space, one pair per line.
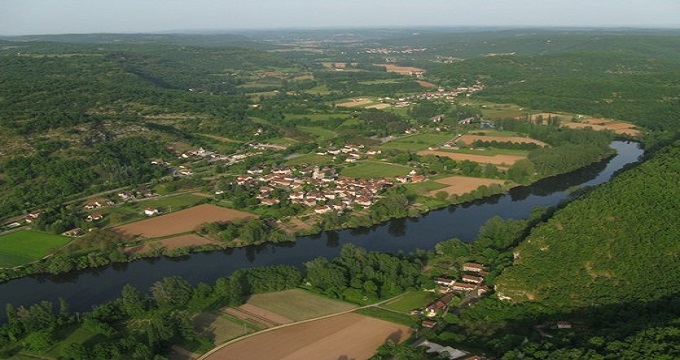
617,245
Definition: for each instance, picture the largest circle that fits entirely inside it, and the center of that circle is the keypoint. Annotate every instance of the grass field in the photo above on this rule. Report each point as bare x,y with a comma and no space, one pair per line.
170,203
24,246
313,159
320,133
388,315
374,169
317,117
417,142
411,300
297,304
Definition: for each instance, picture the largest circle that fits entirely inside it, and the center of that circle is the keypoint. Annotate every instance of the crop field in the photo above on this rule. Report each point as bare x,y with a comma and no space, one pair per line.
348,336
469,139
181,221
24,246
374,169
317,117
297,304
313,159
417,142
424,187
355,103
459,185
484,159
170,203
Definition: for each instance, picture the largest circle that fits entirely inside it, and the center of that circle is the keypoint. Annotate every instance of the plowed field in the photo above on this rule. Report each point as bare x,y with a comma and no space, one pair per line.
495,159
348,336
181,221
460,185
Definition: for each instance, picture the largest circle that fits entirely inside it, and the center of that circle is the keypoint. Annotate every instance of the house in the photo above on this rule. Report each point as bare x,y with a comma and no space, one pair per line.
429,323
473,267
472,279
463,286
564,325
441,303
74,232
418,178
446,352
94,217
444,281
269,202
151,211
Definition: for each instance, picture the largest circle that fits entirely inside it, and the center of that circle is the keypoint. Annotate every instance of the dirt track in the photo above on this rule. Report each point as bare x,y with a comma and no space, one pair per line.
349,336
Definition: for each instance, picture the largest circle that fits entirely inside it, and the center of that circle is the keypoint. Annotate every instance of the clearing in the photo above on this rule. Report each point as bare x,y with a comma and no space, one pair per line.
402,70
459,185
181,221
355,103
24,246
348,336
494,159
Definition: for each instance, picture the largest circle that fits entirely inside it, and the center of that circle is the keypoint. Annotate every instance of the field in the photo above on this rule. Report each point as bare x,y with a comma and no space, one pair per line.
411,300
417,142
181,221
374,169
355,103
320,133
348,336
298,304
24,246
469,139
493,159
313,159
401,70
173,243
424,187
459,185
617,127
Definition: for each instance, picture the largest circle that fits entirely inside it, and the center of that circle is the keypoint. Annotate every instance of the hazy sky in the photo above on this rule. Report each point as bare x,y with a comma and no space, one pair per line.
19,17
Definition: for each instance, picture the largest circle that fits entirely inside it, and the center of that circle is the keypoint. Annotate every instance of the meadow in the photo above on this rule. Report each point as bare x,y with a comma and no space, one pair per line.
22,247
374,169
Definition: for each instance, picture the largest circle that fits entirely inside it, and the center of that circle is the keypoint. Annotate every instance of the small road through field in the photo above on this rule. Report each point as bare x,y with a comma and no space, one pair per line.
219,347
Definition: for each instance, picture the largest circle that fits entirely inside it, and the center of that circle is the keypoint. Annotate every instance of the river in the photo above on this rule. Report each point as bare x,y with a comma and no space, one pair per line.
85,289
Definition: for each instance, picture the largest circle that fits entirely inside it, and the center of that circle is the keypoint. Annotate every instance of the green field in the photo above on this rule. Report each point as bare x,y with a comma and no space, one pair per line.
297,304
320,133
417,142
21,247
317,117
219,328
388,315
374,169
411,300
170,203
313,159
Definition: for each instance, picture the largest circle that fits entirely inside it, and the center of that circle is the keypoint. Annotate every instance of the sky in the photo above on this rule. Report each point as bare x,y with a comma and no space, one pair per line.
30,17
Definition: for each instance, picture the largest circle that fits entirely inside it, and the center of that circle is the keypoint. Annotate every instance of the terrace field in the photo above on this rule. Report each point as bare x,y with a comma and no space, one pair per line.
22,247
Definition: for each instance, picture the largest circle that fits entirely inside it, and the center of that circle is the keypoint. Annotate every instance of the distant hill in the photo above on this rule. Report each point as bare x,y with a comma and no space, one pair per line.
617,245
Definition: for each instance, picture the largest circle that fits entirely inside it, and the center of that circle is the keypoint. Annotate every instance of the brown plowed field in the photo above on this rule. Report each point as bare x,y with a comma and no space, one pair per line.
355,103
181,221
460,185
172,243
348,336
469,139
495,159
426,84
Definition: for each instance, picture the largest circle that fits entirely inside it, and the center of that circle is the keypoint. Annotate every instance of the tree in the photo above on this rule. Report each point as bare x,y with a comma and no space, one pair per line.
173,292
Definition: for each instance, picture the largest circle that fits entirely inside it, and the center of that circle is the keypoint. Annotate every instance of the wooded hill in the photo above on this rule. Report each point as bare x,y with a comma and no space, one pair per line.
617,245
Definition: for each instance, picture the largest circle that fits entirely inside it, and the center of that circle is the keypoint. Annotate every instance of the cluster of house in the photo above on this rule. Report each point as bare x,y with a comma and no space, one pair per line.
132,195
385,51
471,281
445,352
352,152
318,187
212,156
440,94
